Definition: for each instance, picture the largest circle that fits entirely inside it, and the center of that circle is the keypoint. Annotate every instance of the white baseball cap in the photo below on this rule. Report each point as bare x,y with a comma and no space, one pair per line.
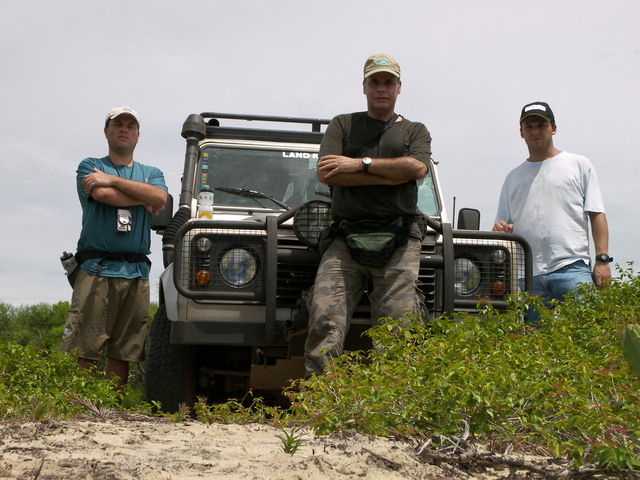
117,111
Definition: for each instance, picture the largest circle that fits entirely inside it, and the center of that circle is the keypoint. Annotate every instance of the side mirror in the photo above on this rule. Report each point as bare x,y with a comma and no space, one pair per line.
469,219
160,222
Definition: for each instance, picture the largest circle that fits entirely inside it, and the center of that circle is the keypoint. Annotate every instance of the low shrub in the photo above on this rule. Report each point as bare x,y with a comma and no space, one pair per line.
37,381
37,325
36,384
564,385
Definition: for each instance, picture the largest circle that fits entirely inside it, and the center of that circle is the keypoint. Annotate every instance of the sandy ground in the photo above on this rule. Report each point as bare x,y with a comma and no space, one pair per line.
156,449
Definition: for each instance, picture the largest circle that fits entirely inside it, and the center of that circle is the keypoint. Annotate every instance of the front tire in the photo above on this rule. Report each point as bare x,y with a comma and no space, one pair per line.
169,368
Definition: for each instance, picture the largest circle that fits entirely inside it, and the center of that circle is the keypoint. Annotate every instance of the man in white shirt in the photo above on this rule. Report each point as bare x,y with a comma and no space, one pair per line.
550,199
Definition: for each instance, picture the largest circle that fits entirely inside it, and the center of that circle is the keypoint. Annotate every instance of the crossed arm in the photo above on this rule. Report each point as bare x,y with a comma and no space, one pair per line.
122,192
342,171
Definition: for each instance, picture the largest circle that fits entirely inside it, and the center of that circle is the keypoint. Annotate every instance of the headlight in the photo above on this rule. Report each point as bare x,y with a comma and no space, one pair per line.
238,267
498,256
466,276
203,245
309,220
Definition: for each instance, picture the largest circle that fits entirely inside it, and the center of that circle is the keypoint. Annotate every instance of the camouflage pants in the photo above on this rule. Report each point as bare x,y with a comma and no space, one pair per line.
339,286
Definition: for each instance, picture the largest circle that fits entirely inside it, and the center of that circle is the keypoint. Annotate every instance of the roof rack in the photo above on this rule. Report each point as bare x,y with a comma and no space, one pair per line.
315,123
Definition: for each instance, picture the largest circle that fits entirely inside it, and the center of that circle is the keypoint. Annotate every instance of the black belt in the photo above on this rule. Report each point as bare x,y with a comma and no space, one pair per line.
81,257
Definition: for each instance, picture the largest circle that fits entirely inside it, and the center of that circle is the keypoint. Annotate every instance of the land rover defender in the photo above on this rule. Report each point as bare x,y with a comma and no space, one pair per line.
240,255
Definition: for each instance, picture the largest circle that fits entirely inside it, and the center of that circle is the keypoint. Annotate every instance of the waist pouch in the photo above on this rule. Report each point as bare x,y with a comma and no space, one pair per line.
372,242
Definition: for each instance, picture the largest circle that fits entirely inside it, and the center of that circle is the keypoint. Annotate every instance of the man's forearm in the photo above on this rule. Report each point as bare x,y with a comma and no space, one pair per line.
114,197
599,232
349,172
118,191
144,193
360,179
403,169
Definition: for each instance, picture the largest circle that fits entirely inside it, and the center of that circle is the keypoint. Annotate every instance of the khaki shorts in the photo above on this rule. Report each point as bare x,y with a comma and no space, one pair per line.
107,316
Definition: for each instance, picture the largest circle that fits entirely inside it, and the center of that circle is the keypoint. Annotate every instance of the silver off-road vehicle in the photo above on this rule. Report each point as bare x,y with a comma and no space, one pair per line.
240,255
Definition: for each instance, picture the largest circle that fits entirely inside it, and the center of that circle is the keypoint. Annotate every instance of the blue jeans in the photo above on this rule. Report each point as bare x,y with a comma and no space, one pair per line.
555,285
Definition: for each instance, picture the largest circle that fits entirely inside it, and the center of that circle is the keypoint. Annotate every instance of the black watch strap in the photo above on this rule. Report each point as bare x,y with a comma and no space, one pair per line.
603,257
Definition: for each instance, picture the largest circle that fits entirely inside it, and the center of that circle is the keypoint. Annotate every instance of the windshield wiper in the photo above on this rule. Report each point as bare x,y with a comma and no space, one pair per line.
253,194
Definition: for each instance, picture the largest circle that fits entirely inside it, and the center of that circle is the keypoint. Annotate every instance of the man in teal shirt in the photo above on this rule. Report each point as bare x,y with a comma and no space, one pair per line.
110,303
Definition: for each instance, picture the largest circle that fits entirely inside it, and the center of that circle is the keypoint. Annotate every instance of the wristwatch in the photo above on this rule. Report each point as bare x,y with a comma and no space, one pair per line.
366,161
603,257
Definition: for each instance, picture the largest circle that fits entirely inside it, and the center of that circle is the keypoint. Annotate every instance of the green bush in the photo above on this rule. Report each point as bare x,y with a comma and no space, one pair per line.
36,384
565,384
37,380
38,325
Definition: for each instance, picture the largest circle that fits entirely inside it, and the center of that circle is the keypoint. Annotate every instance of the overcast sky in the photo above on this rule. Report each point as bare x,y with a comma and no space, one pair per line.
468,67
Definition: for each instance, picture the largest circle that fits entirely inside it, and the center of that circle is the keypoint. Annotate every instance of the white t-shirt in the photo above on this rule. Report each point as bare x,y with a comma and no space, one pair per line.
548,204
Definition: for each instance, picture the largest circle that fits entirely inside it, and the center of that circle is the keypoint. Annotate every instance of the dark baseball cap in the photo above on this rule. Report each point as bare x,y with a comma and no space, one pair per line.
540,109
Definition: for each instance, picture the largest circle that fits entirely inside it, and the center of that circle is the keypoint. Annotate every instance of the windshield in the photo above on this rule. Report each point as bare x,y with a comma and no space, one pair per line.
252,177
245,177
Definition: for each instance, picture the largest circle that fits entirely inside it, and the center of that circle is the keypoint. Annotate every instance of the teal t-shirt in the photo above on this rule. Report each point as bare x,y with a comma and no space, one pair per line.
99,222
